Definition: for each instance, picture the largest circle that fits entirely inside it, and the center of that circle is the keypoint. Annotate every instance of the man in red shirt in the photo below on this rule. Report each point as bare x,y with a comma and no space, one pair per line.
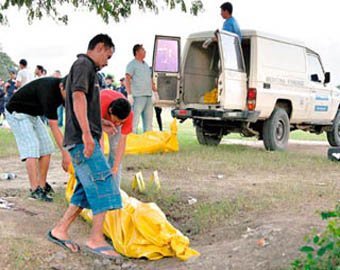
117,109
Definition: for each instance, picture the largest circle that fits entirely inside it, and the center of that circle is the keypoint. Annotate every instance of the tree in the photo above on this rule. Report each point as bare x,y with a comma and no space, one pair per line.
5,63
106,9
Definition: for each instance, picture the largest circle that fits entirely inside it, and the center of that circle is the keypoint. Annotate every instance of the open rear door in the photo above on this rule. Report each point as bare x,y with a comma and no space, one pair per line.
166,69
234,78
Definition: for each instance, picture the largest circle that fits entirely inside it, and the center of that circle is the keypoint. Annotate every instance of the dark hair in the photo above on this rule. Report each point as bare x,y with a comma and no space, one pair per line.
23,62
12,70
136,48
109,77
41,68
101,38
227,6
120,107
63,81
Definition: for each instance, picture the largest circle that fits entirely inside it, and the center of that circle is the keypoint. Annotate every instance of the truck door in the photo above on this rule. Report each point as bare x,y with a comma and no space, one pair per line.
234,77
166,69
320,94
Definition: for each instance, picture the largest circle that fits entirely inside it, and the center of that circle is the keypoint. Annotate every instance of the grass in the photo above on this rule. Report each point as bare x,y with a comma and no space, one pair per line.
186,137
8,145
255,180
190,219
21,254
267,180
278,178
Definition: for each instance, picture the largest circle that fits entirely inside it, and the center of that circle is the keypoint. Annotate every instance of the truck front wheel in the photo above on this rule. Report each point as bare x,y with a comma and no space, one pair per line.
333,136
207,138
276,130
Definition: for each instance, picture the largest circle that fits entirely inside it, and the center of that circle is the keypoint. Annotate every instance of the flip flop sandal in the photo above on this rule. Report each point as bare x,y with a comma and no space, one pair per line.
99,252
62,243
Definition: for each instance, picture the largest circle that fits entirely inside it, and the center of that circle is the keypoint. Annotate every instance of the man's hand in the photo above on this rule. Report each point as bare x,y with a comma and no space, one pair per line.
66,161
115,169
88,144
207,43
109,127
130,99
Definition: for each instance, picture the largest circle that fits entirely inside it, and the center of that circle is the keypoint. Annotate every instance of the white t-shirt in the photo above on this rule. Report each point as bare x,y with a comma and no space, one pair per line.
24,76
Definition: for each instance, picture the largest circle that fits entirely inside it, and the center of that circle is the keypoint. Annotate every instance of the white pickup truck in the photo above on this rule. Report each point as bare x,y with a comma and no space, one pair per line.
264,86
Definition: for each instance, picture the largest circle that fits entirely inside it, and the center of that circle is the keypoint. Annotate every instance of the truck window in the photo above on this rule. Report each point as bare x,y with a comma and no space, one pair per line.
232,53
167,56
315,70
246,53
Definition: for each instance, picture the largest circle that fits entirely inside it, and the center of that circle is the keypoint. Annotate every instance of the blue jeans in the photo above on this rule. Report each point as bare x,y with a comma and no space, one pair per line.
96,187
60,112
142,107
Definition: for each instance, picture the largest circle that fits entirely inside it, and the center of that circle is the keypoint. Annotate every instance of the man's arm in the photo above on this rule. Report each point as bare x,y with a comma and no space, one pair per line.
18,80
128,83
108,127
128,87
18,83
153,86
58,136
80,110
119,153
6,86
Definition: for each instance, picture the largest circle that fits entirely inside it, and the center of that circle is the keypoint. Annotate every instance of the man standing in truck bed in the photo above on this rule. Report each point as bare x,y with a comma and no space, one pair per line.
230,24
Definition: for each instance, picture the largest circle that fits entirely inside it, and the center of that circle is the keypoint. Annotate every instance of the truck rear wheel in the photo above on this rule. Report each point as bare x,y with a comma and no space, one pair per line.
276,130
207,138
333,136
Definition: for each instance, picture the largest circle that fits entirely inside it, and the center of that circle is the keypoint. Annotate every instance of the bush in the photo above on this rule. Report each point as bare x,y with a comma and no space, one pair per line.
322,250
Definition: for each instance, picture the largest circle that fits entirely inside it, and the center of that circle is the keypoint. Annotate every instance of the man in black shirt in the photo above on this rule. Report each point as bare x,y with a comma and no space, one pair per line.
40,97
96,188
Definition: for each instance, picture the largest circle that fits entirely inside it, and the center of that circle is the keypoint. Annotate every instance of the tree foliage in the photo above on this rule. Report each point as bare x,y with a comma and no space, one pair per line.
5,63
106,9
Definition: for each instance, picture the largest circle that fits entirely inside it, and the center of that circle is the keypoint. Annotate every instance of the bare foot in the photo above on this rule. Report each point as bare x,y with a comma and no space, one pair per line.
102,243
64,237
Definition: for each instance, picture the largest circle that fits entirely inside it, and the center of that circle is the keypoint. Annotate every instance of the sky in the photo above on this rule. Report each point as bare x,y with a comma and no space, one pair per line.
55,46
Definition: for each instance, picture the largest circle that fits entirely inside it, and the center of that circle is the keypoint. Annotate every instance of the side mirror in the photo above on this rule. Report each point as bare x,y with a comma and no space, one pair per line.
327,77
315,78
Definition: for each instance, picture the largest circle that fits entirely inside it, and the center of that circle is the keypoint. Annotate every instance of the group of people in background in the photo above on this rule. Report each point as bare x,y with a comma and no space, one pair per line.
141,92
93,104
17,79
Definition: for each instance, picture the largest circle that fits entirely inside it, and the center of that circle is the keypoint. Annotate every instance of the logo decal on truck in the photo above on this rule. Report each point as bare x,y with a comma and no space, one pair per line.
319,108
284,81
325,98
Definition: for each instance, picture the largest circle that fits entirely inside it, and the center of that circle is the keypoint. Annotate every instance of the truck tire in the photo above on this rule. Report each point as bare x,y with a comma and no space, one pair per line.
207,138
276,130
333,136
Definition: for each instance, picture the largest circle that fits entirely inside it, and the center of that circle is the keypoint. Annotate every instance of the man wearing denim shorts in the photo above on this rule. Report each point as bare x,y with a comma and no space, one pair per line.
37,98
95,189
